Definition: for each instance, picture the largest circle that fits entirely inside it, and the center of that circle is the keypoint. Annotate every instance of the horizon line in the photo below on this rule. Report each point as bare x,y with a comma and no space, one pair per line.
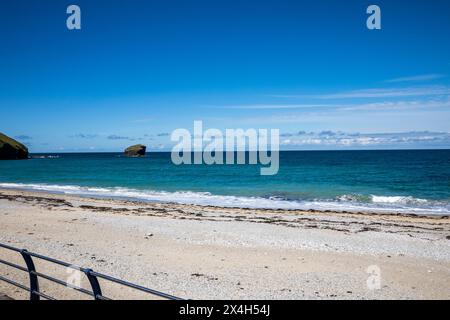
287,150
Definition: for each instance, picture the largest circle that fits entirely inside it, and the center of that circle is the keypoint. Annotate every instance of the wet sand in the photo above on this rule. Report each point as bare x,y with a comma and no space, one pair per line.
209,252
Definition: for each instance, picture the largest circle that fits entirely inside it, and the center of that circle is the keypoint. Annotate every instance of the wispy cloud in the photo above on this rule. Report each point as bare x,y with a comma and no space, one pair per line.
434,102
84,136
276,106
116,137
343,139
386,93
378,93
400,105
424,77
23,137
109,137
159,146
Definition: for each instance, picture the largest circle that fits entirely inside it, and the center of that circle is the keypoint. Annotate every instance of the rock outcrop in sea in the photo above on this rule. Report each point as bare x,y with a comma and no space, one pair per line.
137,150
11,149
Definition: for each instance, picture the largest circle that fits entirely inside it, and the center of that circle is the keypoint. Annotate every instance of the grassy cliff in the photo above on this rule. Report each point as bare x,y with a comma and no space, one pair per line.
11,149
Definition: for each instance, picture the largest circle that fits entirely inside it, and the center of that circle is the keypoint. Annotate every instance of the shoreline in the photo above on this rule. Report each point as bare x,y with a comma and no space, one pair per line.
212,252
131,199
125,200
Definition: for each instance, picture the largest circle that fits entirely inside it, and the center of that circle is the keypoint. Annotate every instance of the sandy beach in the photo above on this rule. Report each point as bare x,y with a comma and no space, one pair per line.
200,252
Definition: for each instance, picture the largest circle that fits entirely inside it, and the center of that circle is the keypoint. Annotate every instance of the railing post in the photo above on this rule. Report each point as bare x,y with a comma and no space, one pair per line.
94,284
34,282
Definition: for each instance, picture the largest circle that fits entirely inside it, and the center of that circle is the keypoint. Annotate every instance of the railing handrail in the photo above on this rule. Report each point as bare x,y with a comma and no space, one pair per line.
92,276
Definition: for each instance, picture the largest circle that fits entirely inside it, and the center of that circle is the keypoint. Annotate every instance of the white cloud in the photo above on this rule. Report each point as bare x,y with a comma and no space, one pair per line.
341,139
385,105
378,93
424,77
277,106
400,105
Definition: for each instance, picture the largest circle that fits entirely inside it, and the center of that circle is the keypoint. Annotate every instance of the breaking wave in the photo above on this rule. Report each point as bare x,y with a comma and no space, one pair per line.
351,203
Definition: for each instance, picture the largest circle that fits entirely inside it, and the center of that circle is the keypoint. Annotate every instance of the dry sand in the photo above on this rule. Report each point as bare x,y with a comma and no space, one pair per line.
200,252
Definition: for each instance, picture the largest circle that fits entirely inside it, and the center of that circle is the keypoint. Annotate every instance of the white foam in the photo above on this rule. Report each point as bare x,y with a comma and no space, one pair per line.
345,203
396,199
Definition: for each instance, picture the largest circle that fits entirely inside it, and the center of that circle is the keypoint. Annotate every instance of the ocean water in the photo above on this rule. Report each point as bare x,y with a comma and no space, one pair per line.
407,181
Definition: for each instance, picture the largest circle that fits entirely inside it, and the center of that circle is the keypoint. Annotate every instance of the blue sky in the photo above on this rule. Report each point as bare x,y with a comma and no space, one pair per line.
139,69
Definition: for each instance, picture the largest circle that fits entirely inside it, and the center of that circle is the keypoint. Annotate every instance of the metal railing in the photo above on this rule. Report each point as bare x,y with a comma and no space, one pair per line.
91,275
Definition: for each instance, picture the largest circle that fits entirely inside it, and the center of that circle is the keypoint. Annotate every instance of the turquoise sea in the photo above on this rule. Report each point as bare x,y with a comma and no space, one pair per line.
415,181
